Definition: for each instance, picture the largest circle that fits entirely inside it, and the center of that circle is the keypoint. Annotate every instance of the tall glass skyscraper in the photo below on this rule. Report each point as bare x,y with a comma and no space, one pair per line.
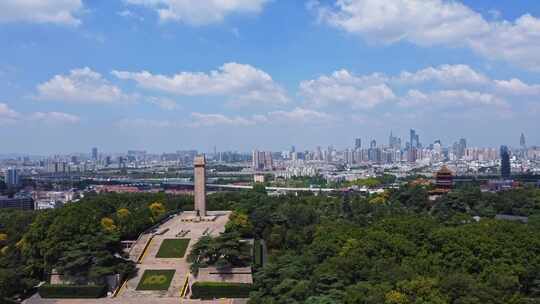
12,178
505,162
357,143
94,154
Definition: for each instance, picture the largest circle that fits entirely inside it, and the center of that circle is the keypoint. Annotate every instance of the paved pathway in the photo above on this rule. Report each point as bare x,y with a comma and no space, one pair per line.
175,225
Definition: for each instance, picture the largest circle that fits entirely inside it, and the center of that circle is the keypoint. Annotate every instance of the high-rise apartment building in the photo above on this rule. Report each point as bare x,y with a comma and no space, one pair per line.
394,142
462,146
255,160
268,161
412,155
414,141
505,162
12,178
358,143
94,154
318,154
262,160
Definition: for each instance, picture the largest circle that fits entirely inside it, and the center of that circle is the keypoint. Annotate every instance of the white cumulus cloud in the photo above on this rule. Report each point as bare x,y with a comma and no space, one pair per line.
41,11
343,88
448,74
9,116
242,84
55,117
444,85
164,103
81,86
515,86
451,98
437,22
142,123
295,116
300,115
200,12
211,120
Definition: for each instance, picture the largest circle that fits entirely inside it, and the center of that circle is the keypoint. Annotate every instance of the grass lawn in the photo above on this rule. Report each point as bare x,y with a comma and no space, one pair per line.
156,280
173,248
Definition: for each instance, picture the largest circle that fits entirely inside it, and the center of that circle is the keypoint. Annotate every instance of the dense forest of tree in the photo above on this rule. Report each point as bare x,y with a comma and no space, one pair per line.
79,240
397,247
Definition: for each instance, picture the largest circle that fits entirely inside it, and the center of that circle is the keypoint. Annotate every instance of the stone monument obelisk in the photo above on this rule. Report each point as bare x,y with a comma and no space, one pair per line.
200,185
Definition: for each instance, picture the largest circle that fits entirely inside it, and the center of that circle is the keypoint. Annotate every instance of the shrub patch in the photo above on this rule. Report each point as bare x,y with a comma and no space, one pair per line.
72,291
216,290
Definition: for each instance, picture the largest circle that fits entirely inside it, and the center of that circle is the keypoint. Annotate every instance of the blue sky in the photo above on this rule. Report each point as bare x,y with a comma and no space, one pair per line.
166,75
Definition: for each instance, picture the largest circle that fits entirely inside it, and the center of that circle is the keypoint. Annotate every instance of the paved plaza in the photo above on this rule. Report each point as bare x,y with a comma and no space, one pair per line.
175,228
179,226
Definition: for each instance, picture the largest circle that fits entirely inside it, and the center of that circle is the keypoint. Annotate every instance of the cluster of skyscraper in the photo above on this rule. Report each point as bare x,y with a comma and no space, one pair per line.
394,152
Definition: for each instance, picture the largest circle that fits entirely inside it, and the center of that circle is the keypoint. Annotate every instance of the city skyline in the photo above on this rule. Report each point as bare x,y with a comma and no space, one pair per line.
155,76
393,141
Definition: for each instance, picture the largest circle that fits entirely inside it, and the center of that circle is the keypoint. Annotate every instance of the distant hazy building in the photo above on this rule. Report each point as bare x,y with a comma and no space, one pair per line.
136,155
394,142
94,154
462,146
268,161
258,178
318,154
505,162
358,143
523,144
414,139
522,141
348,156
186,156
262,160
12,178
412,155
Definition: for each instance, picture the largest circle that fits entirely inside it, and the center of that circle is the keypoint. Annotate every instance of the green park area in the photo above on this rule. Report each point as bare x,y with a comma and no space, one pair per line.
156,280
173,248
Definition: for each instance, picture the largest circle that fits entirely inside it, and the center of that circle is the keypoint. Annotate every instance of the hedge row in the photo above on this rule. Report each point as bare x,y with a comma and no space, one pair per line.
258,253
72,291
216,290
